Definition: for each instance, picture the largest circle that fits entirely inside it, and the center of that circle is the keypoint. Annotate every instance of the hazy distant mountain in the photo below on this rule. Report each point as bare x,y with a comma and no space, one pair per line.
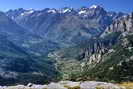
16,61
66,25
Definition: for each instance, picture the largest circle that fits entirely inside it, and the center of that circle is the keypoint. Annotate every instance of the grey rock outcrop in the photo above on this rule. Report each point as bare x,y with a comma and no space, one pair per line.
69,85
123,25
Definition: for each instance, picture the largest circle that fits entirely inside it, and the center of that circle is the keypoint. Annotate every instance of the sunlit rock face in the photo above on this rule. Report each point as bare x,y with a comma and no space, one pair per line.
123,25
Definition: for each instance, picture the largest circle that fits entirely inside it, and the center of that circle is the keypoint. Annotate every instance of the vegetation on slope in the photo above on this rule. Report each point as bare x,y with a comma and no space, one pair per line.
117,65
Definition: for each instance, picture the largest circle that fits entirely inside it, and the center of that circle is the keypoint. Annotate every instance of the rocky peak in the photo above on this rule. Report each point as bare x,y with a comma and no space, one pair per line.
52,11
123,25
95,7
66,10
19,13
92,10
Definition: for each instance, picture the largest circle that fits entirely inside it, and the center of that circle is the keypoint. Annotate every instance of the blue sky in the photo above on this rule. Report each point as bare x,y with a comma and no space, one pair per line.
111,5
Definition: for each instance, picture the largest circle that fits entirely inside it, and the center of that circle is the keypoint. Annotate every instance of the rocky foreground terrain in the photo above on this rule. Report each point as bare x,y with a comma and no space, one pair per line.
68,85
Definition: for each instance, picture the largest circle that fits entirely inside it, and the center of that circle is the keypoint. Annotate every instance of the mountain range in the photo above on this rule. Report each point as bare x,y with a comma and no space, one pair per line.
65,44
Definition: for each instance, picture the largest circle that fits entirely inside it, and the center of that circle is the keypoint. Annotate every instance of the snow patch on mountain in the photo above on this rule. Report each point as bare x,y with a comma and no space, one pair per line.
27,12
93,7
82,12
65,10
52,11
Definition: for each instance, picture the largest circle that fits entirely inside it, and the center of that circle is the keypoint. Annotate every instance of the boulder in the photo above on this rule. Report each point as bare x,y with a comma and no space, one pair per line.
1,87
98,85
29,84
18,87
39,86
109,86
55,86
70,84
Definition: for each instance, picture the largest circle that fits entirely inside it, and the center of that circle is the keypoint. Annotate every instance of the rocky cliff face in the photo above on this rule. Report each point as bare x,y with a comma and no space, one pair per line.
119,57
120,28
123,25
